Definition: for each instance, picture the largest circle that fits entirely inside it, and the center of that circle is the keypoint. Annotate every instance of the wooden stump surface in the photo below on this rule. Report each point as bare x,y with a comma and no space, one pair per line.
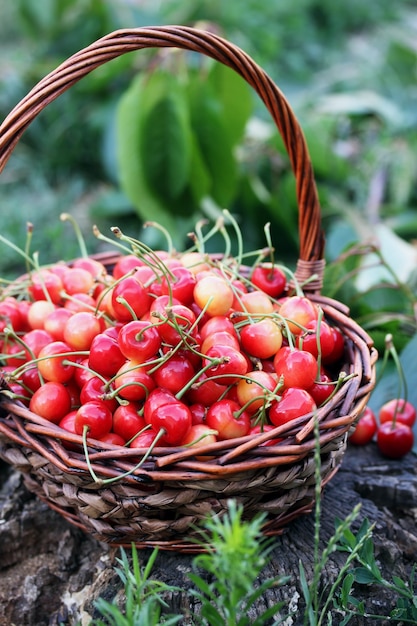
51,572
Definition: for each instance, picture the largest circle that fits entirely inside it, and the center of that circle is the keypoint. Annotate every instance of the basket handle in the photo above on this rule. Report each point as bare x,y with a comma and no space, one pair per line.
115,44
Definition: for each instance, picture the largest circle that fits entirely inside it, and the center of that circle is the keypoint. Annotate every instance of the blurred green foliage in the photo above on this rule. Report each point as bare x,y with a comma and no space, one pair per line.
350,73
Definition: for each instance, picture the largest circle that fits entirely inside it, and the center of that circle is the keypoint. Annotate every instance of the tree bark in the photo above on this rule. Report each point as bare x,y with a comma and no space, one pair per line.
51,573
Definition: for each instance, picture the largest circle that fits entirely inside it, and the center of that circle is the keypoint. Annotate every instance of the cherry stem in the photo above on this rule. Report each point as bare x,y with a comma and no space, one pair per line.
21,252
15,396
342,379
390,350
267,231
239,239
320,317
164,231
194,379
86,369
199,239
201,438
127,306
36,268
29,236
66,217
99,235
140,432
11,334
108,481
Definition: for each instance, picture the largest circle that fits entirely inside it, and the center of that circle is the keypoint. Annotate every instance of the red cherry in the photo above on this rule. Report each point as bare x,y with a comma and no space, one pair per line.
399,410
311,342
227,417
77,280
139,341
216,324
129,299
126,264
55,322
93,266
97,389
30,378
105,356
228,363
297,367
174,373
264,428
200,435
113,438
132,382
198,412
68,422
35,340
82,372
96,417
10,315
255,389
51,401
294,403
55,362
213,294
223,338
365,428
270,279
322,388
261,339
179,319
46,285
13,354
395,440
78,302
174,419
179,284
157,397
144,440
206,391
127,422
338,349
298,312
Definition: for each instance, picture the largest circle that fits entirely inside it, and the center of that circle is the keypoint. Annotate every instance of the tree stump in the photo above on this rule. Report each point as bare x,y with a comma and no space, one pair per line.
51,573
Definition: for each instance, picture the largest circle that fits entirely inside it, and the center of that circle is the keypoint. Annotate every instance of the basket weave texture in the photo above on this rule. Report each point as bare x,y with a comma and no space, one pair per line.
161,503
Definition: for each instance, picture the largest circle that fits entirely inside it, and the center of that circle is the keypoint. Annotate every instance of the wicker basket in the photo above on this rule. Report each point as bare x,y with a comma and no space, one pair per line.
161,503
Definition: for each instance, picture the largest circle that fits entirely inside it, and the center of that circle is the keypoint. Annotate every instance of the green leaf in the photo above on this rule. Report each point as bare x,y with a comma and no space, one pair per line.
398,582
346,589
363,576
403,167
236,98
165,144
214,143
364,102
306,592
200,180
320,132
130,166
399,255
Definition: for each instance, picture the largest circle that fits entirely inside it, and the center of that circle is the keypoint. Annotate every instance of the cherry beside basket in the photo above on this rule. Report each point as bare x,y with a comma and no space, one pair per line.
163,502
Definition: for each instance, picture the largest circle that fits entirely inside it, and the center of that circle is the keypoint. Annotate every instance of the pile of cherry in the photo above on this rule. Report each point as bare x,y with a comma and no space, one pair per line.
169,350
